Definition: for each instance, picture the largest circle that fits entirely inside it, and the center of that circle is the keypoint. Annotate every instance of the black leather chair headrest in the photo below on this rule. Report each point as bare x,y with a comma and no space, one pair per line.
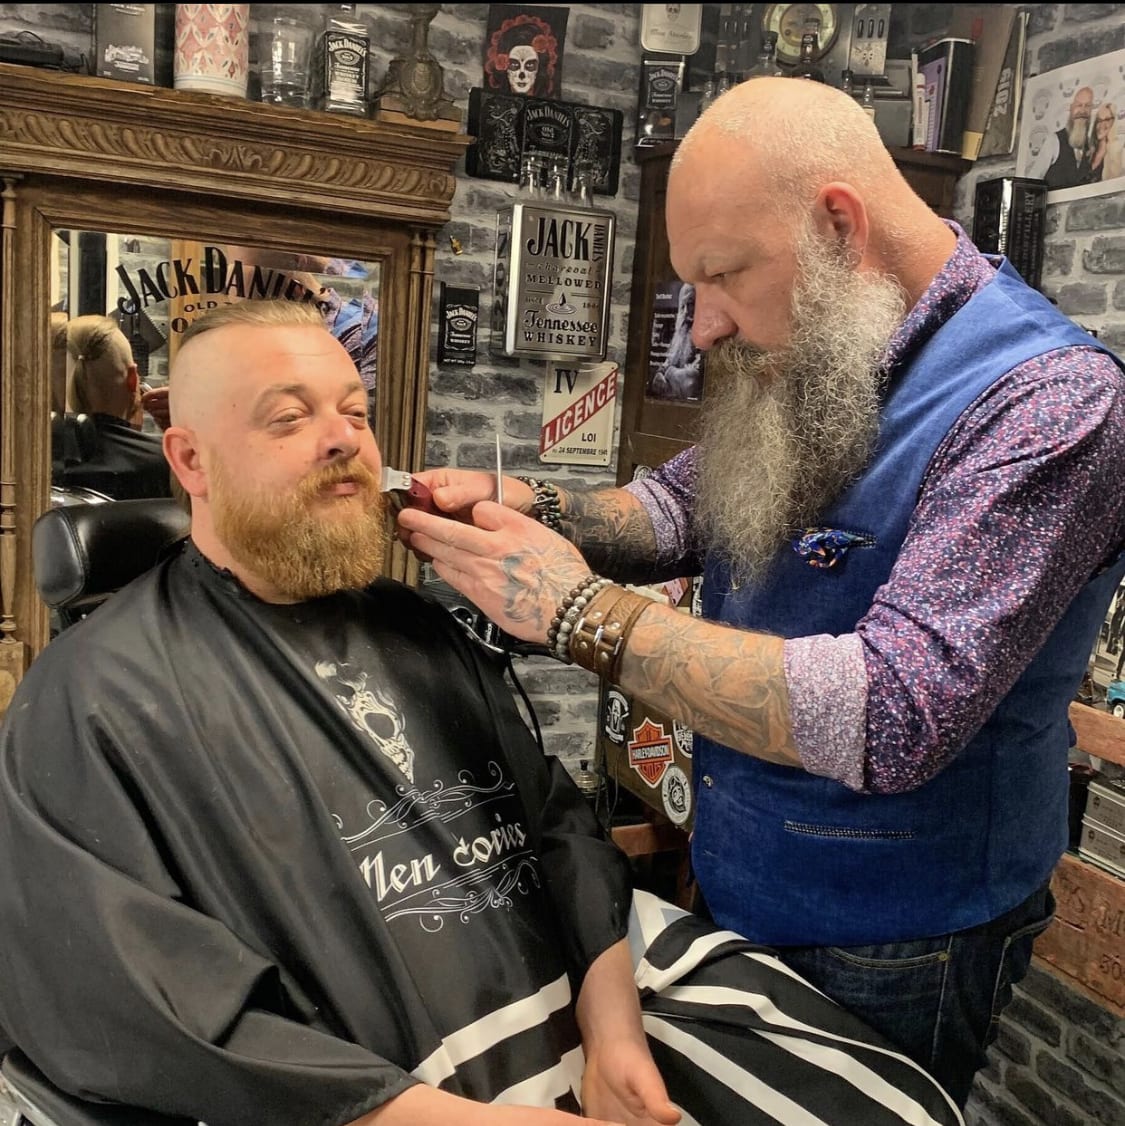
82,553
74,438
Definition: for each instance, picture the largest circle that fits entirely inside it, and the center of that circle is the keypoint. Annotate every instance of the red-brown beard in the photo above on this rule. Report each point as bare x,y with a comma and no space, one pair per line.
307,543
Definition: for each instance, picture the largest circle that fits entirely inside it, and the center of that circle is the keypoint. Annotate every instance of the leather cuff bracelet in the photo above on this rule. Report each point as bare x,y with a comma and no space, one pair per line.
568,613
598,637
545,503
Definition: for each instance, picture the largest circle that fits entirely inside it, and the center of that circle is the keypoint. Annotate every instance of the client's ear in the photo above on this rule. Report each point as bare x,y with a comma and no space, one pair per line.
182,451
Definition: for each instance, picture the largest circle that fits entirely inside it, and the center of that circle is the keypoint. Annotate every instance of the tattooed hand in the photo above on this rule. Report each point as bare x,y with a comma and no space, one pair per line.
515,569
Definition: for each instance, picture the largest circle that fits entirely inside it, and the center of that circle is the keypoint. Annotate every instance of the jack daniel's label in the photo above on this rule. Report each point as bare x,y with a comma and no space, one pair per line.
457,339
552,282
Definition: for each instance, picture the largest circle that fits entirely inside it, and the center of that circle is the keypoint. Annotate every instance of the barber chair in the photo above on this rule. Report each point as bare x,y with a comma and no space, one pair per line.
81,554
74,439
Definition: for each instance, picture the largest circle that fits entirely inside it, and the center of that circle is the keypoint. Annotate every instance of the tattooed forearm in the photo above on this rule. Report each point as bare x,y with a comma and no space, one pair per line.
612,530
725,683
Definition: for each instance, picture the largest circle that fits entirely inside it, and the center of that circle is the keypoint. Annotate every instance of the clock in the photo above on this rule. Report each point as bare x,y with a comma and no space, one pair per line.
787,22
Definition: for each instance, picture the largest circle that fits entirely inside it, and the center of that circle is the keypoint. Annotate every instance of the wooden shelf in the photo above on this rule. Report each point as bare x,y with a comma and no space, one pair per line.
1099,733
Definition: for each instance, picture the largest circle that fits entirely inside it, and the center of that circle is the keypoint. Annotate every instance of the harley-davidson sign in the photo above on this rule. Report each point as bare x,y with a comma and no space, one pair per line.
650,752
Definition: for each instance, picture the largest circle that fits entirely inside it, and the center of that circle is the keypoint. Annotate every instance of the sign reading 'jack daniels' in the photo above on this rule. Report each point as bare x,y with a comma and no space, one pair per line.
551,282
507,126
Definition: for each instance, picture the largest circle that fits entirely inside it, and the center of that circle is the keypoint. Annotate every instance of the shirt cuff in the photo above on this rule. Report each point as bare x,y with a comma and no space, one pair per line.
669,520
827,681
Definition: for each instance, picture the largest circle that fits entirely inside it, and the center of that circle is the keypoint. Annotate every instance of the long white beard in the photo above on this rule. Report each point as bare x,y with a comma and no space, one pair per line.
785,431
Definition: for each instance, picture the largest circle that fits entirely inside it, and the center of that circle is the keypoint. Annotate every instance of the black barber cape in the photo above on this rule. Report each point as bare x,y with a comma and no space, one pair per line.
275,863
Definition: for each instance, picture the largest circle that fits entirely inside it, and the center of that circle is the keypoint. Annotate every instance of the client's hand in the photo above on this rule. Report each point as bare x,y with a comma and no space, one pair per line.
622,1083
621,1080
426,1106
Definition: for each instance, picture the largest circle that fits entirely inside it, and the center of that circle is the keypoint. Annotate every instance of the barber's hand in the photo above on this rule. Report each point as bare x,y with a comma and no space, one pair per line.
455,491
515,569
621,1082
155,401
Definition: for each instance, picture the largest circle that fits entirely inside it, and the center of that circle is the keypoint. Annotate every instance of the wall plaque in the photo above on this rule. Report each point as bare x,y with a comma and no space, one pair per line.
551,282
506,125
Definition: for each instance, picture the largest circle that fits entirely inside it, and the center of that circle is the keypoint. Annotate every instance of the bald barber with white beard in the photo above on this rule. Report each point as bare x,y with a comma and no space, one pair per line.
905,505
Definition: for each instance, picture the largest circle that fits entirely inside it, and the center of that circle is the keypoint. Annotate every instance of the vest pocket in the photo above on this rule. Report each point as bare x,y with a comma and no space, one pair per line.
848,832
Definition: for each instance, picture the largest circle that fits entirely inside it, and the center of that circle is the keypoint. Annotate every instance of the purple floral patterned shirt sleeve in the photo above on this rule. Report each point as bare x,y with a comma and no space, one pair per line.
1020,505
667,494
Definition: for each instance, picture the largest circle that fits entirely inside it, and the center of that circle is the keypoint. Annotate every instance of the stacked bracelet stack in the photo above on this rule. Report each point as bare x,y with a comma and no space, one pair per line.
597,639
562,624
546,502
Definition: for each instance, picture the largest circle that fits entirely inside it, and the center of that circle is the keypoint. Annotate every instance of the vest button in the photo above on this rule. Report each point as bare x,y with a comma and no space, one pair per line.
708,781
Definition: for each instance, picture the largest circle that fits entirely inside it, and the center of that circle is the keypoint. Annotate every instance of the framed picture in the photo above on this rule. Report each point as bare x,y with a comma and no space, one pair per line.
523,50
675,365
1072,129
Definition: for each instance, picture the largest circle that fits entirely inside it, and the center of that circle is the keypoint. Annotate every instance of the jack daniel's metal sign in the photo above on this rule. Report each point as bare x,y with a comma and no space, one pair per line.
551,284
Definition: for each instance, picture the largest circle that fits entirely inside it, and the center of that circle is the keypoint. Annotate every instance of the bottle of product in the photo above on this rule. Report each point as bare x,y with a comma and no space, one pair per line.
707,95
587,781
556,183
868,101
582,188
342,67
766,63
807,65
531,177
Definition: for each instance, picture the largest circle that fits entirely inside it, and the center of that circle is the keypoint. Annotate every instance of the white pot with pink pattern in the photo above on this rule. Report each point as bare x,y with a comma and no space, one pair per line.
213,48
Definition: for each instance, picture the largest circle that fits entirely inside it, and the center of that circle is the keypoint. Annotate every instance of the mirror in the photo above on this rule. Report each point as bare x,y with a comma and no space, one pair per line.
110,169
120,304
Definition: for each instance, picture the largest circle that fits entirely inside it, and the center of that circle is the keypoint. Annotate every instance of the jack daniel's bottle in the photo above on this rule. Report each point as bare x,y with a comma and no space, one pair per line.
808,65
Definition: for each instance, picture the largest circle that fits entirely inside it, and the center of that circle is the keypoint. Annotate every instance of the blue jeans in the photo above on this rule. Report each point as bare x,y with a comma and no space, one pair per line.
936,999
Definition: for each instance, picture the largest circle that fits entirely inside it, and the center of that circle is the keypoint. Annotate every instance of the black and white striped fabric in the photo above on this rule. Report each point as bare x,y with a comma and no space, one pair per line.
741,1039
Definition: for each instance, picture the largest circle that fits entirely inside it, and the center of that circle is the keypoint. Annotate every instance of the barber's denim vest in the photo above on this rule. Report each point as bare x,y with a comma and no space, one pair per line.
784,857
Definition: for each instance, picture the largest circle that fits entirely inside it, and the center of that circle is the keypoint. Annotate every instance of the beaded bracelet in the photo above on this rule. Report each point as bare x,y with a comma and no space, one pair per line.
562,624
545,502
597,640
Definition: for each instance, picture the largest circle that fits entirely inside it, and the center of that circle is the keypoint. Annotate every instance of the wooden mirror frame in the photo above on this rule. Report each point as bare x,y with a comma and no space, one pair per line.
85,153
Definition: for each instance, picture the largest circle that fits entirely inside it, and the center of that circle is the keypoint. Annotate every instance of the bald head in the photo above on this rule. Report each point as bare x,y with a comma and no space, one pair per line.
792,137
217,350
797,154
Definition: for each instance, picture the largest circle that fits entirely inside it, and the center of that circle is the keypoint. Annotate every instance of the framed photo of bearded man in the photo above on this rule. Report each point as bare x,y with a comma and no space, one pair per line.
523,50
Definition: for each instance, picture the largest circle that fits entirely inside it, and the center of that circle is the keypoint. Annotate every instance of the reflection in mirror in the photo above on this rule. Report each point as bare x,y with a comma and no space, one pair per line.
120,304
